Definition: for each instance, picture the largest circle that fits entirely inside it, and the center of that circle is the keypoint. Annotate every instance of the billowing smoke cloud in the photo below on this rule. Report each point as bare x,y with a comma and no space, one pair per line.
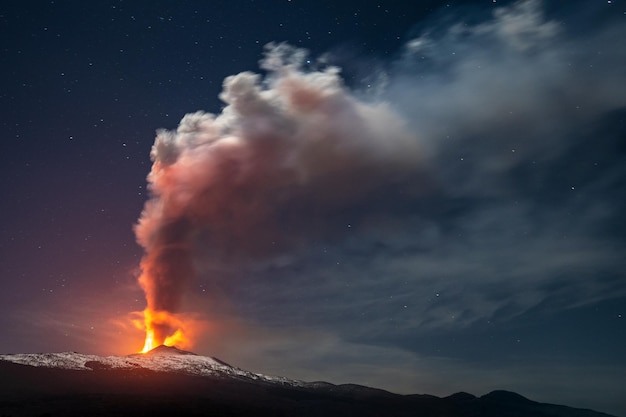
286,162
458,178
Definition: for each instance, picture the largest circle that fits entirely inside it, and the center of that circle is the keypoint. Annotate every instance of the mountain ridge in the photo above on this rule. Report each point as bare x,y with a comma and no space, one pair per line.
171,381
160,359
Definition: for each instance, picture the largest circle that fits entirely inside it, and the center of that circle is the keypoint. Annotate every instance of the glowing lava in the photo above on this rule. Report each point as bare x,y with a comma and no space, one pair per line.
162,320
162,328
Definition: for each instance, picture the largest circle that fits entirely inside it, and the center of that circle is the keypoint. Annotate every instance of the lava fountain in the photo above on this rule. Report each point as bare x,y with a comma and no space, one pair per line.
162,328
166,270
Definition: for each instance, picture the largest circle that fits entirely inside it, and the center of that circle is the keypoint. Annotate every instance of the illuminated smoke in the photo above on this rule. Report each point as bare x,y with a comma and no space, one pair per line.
259,178
491,113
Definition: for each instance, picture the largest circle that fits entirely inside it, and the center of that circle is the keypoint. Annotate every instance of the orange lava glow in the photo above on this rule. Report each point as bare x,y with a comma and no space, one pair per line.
163,328
165,270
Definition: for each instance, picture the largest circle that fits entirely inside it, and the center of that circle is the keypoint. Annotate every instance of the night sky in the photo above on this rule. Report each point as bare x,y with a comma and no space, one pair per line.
425,197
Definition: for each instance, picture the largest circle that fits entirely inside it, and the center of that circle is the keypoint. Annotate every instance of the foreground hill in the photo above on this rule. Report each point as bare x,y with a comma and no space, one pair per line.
170,382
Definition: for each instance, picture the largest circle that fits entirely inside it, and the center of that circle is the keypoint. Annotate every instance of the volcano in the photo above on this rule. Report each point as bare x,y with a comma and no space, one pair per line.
167,381
163,350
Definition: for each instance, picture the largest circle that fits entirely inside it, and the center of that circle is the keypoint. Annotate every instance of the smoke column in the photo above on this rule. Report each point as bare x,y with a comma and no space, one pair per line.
258,178
479,116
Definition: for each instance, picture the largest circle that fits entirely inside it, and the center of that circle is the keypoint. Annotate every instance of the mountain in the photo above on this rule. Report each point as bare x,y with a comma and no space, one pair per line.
163,350
171,382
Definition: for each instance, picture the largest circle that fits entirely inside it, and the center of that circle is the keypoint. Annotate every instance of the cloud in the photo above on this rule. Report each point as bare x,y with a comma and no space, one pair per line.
521,122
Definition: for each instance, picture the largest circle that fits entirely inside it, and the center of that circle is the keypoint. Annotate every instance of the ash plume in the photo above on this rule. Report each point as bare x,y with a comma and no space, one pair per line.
456,176
268,174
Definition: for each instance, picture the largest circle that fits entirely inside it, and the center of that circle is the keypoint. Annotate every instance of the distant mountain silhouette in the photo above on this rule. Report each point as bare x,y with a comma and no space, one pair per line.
170,382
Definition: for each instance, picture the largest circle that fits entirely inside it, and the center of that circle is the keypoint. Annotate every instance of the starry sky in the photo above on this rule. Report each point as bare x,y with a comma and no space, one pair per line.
425,197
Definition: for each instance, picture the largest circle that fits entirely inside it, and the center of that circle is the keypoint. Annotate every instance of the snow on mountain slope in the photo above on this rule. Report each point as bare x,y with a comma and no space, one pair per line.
162,359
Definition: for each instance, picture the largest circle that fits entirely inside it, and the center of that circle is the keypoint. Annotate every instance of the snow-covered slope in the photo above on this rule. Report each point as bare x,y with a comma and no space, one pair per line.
162,359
